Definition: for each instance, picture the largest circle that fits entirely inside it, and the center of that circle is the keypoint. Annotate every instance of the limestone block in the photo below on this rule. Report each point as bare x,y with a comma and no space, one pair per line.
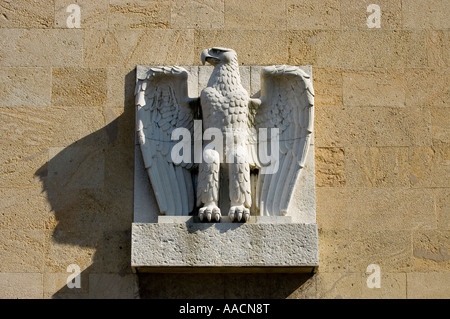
25,86
427,165
428,285
96,207
78,87
42,127
443,207
113,286
437,48
375,209
415,41
128,48
310,15
63,248
270,286
19,165
255,15
338,285
93,13
41,47
374,89
23,208
358,49
170,246
204,14
77,124
139,14
166,286
377,166
250,51
107,48
55,286
427,87
21,286
112,253
27,14
304,287
330,167
22,251
354,14
431,250
417,14
446,46
314,47
372,126
341,253
392,286
120,89
328,87
89,161
31,125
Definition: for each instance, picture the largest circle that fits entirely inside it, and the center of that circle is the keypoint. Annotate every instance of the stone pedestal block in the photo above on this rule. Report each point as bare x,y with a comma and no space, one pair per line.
189,246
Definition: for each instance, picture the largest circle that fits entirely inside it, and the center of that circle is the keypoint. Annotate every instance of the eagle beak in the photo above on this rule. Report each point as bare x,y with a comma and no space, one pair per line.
205,54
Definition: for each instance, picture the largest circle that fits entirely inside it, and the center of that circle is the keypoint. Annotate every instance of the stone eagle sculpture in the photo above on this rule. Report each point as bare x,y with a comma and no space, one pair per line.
285,104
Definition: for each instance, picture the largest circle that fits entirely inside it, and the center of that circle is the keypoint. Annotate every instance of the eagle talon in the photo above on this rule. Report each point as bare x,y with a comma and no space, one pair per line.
211,212
239,213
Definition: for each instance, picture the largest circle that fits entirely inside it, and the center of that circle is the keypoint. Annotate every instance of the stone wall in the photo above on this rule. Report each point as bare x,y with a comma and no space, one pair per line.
381,141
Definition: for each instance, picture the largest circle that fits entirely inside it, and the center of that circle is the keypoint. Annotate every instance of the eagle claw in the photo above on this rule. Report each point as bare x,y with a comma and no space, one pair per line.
211,212
239,213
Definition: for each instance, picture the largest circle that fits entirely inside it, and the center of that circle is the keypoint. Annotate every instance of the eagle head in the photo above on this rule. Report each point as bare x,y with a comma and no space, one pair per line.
217,55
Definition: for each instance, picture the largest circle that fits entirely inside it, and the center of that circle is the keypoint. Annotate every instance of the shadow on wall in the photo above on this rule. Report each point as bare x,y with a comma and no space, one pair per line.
89,185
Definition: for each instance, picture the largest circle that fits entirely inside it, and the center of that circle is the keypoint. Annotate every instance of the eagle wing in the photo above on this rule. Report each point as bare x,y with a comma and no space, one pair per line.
287,103
163,105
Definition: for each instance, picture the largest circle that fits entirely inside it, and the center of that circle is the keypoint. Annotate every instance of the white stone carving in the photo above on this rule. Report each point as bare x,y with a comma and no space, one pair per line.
243,133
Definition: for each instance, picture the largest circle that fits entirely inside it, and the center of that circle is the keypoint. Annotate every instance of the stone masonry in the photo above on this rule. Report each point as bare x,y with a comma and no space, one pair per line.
381,141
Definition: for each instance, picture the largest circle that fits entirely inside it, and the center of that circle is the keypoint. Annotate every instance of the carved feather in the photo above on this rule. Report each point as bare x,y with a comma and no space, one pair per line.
163,105
288,98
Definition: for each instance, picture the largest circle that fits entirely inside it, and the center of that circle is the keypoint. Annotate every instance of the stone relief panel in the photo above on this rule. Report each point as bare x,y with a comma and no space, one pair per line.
224,143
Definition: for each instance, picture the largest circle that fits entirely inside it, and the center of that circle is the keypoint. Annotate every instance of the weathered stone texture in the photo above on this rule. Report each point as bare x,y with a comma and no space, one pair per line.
136,14
354,14
40,48
372,126
330,167
25,86
131,47
26,14
375,209
203,14
311,15
358,49
381,140
93,13
428,285
431,14
252,245
20,285
248,44
78,87
257,14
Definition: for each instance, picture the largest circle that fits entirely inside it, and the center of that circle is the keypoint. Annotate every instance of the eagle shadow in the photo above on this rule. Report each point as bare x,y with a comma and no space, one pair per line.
89,185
